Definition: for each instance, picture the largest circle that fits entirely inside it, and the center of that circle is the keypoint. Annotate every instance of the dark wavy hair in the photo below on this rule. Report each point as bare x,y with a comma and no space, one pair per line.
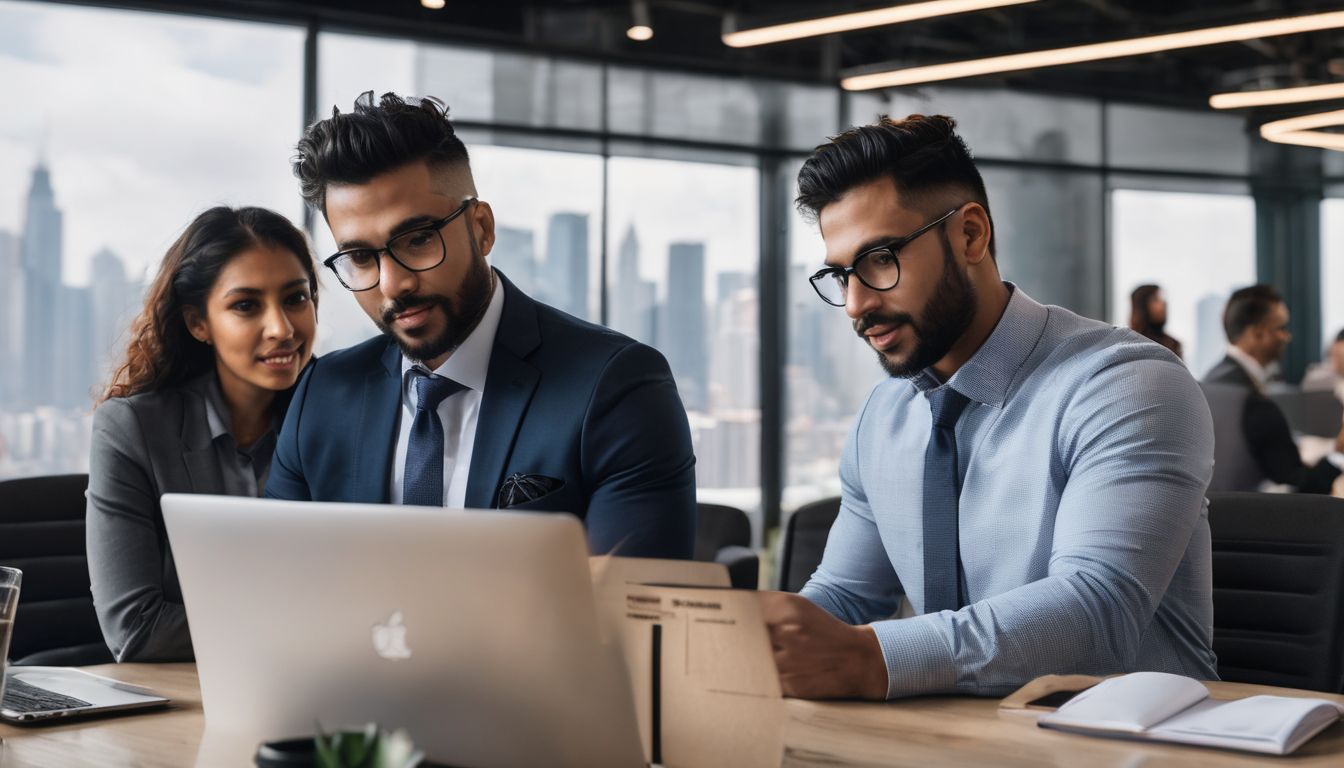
162,352
353,148
1140,318
922,155
1247,307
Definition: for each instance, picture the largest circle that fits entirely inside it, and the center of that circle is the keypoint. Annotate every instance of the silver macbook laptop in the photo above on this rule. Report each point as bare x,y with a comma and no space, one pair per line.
474,630
35,694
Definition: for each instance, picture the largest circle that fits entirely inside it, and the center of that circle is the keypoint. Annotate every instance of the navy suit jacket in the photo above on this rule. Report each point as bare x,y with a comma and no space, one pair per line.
563,398
1269,437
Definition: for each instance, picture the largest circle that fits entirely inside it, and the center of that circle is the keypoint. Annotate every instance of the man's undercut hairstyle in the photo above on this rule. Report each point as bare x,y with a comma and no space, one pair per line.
355,147
1247,307
922,154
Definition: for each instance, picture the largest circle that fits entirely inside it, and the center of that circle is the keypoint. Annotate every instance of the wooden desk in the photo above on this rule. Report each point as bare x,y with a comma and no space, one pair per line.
916,732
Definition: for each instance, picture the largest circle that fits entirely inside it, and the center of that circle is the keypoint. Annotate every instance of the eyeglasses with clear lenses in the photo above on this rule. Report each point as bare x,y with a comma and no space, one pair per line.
877,268
416,250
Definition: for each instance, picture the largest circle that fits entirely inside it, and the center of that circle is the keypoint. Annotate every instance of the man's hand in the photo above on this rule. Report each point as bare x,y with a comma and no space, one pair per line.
819,656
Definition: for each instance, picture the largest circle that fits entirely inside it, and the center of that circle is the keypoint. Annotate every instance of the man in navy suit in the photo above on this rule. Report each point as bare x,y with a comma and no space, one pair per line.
475,395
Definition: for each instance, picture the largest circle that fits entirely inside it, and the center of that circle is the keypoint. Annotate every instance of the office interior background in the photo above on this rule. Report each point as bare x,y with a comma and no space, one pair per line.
648,185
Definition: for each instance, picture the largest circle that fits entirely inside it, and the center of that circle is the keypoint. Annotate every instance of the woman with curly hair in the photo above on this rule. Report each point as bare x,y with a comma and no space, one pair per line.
228,326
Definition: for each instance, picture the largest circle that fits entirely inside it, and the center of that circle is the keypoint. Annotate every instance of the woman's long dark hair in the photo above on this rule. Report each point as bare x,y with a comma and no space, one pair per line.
1140,318
162,352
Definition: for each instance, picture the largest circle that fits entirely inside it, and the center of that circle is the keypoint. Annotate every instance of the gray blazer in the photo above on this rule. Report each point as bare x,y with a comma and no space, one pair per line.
143,447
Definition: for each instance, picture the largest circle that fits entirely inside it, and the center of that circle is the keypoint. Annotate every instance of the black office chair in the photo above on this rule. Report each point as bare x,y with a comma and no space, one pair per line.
42,534
805,541
723,535
1234,467
1278,589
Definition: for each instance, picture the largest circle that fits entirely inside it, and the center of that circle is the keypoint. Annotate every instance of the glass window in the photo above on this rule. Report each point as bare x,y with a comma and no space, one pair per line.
1005,124
828,374
1197,247
1176,140
681,106
1049,235
547,204
683,240
117,147
548,218
1332,267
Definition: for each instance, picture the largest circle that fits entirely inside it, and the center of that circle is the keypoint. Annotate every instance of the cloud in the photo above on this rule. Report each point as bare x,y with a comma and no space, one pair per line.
147,127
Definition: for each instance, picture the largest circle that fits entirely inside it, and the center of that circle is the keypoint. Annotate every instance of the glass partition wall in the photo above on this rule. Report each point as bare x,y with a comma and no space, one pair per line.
657,202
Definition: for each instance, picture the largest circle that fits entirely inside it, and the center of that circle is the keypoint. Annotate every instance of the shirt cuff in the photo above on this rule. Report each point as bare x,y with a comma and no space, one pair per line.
918,659
1336,458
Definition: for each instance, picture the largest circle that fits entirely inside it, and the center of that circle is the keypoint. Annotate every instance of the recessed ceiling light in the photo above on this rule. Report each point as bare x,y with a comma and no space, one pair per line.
847,22
1095,52
433,5
1241,99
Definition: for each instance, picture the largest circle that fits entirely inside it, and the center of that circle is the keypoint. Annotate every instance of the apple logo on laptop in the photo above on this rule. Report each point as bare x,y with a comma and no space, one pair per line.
389,640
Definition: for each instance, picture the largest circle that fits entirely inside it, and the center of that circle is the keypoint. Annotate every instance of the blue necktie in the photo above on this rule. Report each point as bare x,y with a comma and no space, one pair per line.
942,487
422,483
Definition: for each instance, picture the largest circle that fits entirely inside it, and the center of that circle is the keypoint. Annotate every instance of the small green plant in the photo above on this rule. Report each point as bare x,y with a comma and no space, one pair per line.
371,748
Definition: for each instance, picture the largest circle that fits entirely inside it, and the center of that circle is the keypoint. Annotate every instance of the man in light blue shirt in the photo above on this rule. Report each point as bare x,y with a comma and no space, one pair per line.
1050,518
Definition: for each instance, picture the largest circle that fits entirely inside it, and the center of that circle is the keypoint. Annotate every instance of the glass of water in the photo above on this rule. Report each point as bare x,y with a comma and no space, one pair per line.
10,581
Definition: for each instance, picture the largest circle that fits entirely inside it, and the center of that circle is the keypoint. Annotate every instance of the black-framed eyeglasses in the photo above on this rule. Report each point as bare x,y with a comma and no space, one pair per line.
416,250
878,268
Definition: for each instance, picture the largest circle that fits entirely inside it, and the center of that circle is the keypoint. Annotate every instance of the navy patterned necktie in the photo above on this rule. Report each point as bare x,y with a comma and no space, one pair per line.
942,487
422,482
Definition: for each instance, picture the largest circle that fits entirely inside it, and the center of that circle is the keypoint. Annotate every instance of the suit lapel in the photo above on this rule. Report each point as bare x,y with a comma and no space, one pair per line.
376,439
509,386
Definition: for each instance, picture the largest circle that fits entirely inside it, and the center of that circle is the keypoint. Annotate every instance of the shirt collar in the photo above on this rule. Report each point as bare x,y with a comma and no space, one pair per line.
986,377
216,410
217,414
469,364
1253,367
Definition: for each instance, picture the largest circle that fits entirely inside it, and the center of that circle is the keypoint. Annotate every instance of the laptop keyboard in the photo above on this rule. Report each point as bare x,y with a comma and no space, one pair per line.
24,698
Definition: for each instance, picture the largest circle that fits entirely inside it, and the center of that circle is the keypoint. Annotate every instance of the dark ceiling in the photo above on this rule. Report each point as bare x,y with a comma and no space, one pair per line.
687,35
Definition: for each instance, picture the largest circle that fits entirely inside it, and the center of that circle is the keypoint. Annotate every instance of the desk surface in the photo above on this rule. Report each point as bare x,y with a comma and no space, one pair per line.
942,730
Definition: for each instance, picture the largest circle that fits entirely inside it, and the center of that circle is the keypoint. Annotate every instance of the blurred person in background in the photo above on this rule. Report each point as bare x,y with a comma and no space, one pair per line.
1148,317
1329,373
1256,323
228,326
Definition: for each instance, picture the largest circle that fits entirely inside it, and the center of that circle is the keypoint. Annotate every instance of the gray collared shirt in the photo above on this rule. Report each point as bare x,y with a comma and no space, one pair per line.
243,470
1086,450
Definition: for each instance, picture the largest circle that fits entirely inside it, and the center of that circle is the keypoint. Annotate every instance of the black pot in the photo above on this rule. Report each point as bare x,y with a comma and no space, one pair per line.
300,753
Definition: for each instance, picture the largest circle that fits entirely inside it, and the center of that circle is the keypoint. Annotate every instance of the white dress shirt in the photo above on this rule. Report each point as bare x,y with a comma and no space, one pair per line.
468,366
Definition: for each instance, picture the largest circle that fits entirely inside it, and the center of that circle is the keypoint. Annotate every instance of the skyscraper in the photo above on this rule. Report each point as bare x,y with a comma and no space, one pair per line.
515,256
683,332
114,299
42,257
567,262
76,363
634,301
11,319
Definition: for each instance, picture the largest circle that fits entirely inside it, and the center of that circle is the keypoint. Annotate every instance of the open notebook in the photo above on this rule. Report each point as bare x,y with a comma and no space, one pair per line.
1157,706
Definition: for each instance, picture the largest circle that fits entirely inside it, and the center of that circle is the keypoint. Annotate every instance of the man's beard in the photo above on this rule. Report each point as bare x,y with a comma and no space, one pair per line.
945,318
461,319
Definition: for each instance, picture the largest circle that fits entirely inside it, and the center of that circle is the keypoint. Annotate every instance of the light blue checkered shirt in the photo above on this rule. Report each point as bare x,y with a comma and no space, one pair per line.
1084,536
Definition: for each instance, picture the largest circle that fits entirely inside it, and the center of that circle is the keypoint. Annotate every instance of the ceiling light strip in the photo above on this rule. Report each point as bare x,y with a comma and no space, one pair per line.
847,22
1242,99
1301,130
1096,52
